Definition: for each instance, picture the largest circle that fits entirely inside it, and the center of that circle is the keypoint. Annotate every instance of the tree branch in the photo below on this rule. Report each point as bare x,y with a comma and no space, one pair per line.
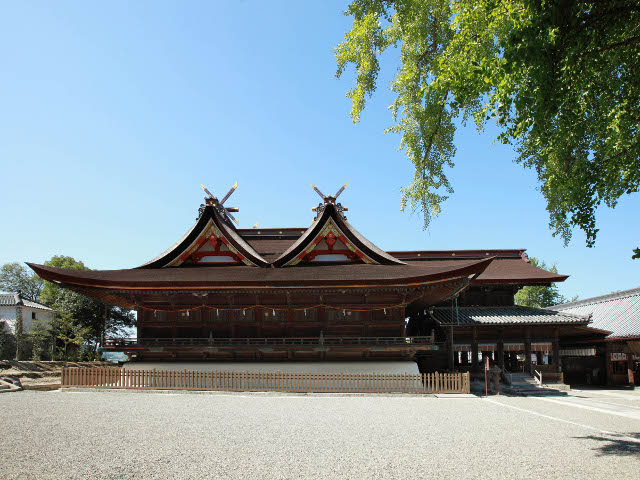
434,45
624,43
429,145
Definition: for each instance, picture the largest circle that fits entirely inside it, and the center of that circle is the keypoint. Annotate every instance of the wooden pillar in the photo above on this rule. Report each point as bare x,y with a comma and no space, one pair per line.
474,350
451,353
527,350
556,350
608,363
322,319
501,352
464,358
485,355
630,368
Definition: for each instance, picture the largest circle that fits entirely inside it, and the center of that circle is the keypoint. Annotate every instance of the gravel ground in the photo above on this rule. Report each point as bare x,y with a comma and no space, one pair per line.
127,435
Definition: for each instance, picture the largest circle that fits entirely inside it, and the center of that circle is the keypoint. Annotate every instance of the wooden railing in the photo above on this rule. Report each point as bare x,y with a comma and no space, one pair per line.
120,378
267,341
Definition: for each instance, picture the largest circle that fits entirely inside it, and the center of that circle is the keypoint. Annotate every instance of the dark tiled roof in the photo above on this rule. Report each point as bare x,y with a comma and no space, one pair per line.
259,233
617,312
12,300
514,315
270,249
505,271
249,277
465,254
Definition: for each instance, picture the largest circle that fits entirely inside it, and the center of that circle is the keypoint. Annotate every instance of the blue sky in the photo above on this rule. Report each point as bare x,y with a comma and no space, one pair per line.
113,114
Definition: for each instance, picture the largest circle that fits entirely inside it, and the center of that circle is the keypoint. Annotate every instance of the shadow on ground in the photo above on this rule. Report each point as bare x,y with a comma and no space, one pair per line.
619,445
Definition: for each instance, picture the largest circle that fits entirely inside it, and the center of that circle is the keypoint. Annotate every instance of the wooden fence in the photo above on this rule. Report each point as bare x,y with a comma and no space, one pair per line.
120,378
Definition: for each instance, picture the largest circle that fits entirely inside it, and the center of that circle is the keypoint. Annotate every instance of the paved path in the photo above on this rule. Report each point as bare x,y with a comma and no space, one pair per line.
596,405
131,435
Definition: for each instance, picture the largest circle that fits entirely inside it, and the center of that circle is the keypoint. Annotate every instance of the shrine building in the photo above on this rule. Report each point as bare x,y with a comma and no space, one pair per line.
326,292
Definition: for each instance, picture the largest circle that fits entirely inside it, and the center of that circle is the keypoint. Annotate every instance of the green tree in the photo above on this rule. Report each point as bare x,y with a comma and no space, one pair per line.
40,337
540,296
7,342
69,332
16,278
100,318
560,78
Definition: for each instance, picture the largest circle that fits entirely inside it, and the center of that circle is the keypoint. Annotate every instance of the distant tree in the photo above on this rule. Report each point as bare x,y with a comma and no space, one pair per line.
101,319
15,277
540,296
559,77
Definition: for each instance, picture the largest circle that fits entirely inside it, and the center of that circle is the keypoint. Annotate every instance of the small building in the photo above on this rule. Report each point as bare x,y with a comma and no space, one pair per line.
614,357
14,307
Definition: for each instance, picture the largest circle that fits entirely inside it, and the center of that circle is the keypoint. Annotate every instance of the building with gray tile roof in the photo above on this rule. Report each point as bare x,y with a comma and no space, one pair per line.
508,315
13,307
617,312
15,299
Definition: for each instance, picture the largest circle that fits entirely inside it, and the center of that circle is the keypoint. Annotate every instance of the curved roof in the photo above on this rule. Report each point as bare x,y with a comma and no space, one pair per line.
217,278
330,213
209,215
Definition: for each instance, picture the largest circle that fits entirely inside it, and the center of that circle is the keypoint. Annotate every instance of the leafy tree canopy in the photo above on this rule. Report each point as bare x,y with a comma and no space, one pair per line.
99,319
51,293
15,277
540,296
559,77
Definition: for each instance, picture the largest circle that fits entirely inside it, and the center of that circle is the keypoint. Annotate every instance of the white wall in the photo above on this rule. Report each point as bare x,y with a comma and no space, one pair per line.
45,316
8,315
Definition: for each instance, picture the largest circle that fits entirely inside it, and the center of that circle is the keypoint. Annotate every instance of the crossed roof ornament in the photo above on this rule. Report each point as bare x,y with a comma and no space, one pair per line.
219,204
328,199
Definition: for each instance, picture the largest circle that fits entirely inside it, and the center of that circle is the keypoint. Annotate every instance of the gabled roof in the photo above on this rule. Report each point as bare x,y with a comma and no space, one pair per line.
617,312
14,300
209,222
509,315
331,221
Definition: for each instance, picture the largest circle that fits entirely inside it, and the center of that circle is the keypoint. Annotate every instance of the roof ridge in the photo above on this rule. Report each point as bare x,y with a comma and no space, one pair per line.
599,299
545,309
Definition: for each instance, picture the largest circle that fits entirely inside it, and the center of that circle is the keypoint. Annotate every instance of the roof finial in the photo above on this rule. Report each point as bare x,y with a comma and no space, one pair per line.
219,205
328,199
